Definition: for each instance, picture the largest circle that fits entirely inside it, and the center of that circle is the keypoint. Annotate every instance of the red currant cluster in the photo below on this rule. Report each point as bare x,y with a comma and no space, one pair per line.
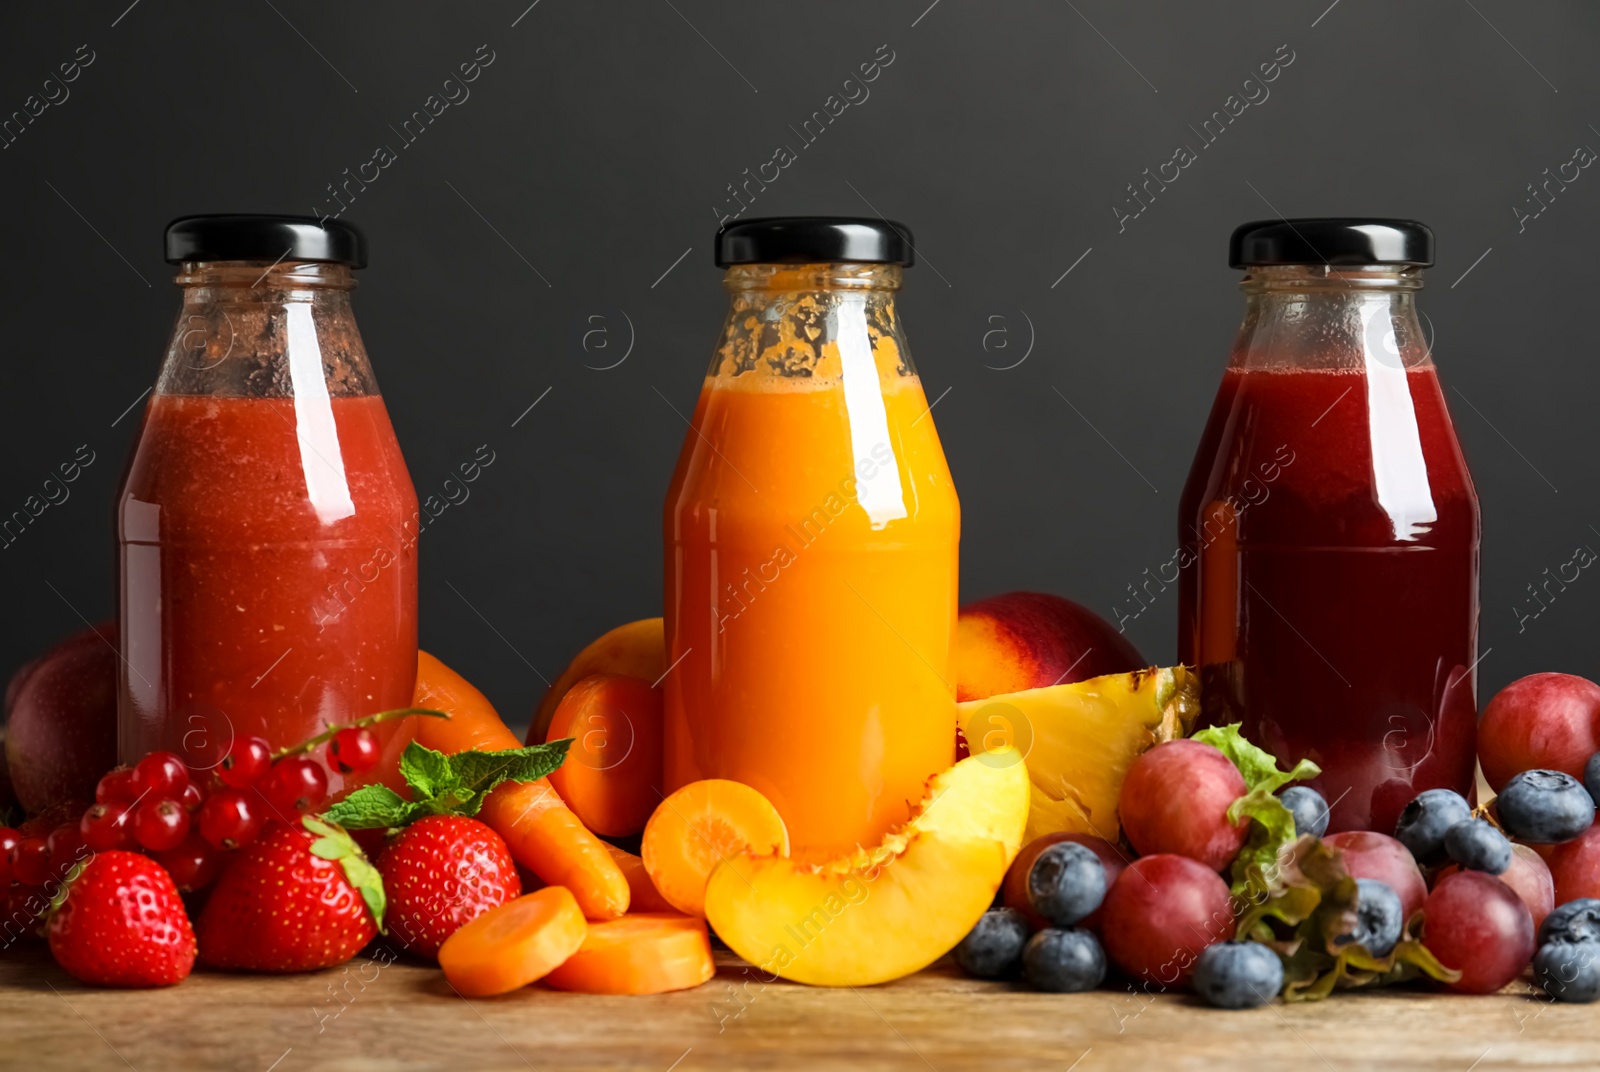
186,820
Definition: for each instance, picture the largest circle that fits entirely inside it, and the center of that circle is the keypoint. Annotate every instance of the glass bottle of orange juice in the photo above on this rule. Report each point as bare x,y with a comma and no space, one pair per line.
811,533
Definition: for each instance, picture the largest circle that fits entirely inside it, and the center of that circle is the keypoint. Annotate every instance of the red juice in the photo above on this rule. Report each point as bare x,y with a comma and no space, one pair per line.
1329,587
268,572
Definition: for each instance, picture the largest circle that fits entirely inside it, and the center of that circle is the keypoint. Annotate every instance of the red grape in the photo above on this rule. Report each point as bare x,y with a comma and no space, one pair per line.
160,774
1549,721
1014,892
1575,866
353,750
105,827
231,818
246,764
1474,923
193,865
1378,856
294,786
1175,800
1528,877
160,824
1160,913
115,786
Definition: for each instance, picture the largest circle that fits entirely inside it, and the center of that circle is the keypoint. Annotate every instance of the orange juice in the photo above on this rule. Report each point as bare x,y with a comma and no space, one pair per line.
811,533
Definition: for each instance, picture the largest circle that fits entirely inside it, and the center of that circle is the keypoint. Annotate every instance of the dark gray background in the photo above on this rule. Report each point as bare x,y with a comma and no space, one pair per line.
590,154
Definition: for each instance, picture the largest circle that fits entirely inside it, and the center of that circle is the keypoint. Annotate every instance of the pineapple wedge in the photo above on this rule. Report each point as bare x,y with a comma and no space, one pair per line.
1079,740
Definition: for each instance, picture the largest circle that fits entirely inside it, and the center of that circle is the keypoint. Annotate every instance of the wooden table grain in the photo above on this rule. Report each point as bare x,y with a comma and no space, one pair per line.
374,1015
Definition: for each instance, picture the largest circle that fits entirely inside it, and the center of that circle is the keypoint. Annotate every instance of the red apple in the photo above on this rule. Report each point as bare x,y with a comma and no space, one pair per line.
1027,640
1549,721
1379,856
62,733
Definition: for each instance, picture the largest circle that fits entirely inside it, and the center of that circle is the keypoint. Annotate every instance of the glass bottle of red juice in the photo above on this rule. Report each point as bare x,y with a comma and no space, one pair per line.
267,523
1329,528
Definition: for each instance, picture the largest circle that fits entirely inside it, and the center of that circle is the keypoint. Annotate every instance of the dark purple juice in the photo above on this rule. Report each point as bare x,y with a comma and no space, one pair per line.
1330,576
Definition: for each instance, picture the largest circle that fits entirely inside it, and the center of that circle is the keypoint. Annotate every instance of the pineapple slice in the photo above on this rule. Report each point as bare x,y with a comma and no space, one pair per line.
1080,739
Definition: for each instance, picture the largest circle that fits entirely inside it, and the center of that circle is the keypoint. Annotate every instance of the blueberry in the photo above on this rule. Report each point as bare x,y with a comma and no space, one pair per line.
1379,917
1238,975
1477,846
1066,883
992,949
1064,961
1309,809
1569,971
1591,777
1427,819
1574,922
1545,806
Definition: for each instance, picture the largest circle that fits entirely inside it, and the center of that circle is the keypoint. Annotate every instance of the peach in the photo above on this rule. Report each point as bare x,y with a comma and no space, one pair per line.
637,649
1028,640
62,732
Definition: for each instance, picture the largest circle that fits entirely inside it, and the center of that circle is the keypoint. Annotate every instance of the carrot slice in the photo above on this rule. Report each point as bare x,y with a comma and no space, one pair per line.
513,944
612,776
698,827
540,831
545,837
638,954
644,897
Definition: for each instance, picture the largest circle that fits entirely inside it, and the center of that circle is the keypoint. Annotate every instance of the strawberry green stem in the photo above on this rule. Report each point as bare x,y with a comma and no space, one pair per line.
370,720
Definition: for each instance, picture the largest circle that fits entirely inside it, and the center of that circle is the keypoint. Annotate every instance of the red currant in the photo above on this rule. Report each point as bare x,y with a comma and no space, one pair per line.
295,786
230,819
66,848
116,786
352,750
105,827
160,774
244,766
193,865
30,861
160,824
8,846
192,797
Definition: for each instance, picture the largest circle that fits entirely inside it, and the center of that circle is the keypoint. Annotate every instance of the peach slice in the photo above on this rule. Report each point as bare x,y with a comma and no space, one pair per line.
1030,640
884,912
1080,739
638,649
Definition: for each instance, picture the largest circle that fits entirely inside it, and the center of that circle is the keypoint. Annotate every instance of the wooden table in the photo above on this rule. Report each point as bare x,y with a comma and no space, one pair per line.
367,1015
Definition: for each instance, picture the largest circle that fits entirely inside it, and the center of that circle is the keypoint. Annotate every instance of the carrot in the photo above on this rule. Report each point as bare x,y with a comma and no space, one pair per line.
638,954
513,944
644,897
612,775
540,831
545,837
698,827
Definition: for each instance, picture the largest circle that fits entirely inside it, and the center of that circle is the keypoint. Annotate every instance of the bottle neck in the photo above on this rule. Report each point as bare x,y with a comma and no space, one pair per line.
1329,317
259,329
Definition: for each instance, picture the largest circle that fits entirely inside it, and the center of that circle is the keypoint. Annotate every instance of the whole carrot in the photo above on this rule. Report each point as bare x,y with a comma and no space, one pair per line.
540,831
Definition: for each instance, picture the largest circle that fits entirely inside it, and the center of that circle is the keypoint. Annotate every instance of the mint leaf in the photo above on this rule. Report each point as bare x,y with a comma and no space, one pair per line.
1272,827
333,843
478,773
372,807
427,772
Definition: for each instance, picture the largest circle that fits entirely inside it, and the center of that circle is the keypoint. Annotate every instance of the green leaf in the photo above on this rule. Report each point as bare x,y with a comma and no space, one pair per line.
333,843
1272,827
427,772
372,807
478,773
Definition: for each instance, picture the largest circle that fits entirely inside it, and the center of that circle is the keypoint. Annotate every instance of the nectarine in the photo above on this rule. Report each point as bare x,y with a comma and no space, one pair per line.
1028,640
62,733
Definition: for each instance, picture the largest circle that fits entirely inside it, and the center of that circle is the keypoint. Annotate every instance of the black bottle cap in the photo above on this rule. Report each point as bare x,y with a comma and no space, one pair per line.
265,238
814,240
1352,240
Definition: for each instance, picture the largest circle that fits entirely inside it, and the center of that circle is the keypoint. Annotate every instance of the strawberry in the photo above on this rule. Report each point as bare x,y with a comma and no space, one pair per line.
121,923
441,872
297,898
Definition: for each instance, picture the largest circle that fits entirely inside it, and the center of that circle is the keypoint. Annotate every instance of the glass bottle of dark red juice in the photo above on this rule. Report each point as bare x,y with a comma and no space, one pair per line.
1329,528
267,524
